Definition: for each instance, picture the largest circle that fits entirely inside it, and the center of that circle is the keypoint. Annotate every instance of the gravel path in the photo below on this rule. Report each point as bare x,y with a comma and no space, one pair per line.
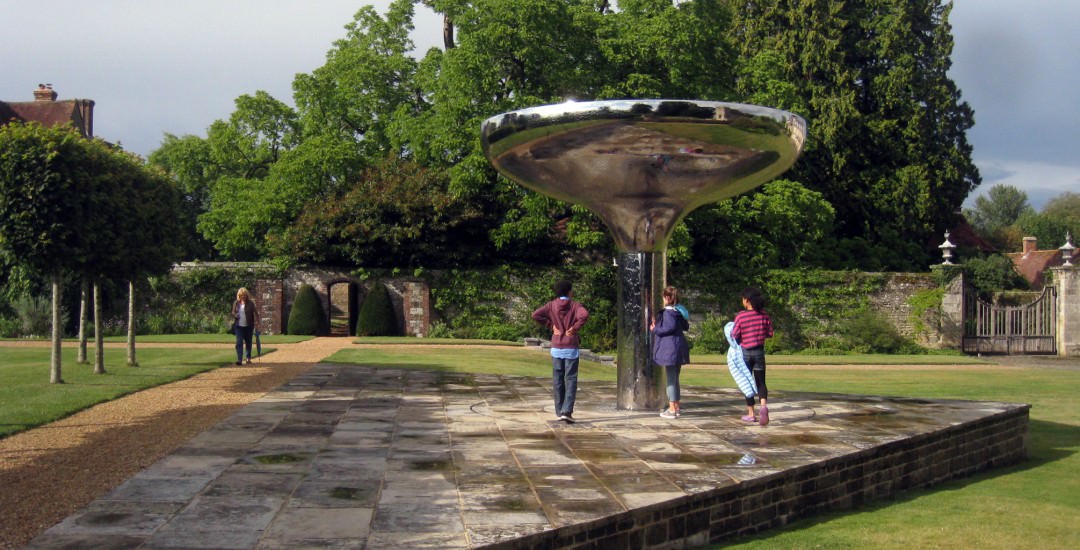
48,473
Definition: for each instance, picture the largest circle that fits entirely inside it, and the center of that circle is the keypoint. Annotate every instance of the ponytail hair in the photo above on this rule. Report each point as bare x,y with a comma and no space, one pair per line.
754,297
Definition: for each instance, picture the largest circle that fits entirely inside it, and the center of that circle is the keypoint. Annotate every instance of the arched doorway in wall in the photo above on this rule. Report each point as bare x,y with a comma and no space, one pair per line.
343,308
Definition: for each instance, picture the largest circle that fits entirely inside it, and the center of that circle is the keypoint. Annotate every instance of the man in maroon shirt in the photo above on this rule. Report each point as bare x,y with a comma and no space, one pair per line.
565,316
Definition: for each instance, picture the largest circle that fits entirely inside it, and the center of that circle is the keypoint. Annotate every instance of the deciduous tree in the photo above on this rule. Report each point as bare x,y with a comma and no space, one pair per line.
887,144
46,184
995,214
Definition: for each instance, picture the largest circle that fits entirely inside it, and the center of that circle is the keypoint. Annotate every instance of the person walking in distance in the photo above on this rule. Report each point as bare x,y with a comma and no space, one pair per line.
752,327
245,319
565,317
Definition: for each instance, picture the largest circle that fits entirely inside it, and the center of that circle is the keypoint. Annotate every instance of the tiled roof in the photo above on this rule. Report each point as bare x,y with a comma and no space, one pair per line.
1032,264
48,113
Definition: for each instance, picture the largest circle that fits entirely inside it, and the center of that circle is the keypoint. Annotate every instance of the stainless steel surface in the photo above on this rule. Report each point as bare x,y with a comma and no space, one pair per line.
641,166
641,280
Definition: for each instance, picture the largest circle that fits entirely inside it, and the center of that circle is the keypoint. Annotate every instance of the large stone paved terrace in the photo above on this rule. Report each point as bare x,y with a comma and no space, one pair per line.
355,457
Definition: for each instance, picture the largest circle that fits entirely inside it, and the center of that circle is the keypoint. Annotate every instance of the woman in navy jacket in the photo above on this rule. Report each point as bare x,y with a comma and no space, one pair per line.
670,348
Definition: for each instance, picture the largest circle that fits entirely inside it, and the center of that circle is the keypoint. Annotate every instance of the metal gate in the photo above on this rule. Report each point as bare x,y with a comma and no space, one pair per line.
1014,330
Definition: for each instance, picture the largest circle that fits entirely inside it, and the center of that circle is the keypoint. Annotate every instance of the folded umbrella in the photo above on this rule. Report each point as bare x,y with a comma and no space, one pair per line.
258,345
737,365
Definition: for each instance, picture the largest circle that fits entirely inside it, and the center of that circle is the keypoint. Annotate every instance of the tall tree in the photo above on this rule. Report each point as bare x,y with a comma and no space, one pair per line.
1066,209
188,162
153,216
511,55
244,199
1060,217
995,213
887,139
136,218
46,177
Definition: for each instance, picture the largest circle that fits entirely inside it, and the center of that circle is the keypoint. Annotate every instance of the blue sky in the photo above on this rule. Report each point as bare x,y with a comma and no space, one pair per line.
157,67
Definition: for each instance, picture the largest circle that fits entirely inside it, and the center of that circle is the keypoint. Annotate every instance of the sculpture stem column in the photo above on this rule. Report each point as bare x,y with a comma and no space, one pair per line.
641,385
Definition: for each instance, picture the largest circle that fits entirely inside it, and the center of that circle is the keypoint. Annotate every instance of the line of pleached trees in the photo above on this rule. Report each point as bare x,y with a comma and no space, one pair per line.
78,209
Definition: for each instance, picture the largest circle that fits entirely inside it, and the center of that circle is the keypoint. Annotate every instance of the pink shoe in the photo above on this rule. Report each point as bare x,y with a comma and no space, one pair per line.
749,418
763,414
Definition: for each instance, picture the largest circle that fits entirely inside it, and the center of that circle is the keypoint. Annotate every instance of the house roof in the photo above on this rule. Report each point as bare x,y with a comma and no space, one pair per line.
1032,264
49,112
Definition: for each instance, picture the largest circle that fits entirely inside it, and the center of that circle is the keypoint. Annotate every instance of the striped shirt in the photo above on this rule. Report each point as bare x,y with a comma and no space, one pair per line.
752,328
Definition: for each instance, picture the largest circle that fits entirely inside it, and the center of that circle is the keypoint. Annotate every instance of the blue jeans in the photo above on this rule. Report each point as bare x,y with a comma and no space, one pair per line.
243,339
671,372
564,373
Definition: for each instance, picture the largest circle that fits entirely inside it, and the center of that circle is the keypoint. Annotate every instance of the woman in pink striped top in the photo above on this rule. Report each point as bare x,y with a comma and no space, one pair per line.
752,327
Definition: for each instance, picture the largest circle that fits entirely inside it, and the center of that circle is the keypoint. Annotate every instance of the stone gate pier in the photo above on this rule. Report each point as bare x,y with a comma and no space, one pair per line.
1067,283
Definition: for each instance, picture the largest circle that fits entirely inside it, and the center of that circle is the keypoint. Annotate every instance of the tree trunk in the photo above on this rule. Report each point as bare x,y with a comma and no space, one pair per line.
99,338
57,333
447,32
84,295
131,325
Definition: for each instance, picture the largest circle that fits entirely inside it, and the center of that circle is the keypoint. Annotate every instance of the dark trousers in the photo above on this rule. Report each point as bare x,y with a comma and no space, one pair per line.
243,341
755,361
564,374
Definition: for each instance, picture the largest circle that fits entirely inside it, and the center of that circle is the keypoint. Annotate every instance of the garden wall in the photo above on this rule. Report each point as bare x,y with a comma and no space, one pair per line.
507,297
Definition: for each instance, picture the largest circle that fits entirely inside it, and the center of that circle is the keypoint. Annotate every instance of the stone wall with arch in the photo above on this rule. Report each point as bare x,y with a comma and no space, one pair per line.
275,291
409,295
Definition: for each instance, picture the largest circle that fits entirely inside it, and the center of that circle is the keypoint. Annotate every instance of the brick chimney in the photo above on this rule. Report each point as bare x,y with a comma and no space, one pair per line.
86,111
44,92
1030,245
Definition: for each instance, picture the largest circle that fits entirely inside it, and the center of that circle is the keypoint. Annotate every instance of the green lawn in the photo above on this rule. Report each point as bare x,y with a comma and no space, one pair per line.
852,359
206,339
413,341
1034,504
27,399
182,339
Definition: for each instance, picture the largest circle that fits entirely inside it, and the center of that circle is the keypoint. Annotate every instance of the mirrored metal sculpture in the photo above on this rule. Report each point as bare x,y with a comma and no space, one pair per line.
642,166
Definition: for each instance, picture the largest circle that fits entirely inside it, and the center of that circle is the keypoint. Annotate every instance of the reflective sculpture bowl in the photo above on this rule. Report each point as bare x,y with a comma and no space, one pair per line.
642,166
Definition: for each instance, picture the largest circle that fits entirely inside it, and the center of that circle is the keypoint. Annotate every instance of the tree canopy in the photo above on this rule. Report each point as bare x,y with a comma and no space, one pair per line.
1059,218
995,214
886,166
1004,217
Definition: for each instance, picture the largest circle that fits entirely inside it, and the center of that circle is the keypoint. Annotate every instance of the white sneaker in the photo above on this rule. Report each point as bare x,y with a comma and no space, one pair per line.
669,414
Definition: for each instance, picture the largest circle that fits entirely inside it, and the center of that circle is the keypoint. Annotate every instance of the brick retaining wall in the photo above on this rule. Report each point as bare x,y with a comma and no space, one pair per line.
777,500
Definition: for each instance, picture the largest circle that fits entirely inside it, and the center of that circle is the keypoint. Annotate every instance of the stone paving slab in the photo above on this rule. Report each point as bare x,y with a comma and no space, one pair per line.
346,456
